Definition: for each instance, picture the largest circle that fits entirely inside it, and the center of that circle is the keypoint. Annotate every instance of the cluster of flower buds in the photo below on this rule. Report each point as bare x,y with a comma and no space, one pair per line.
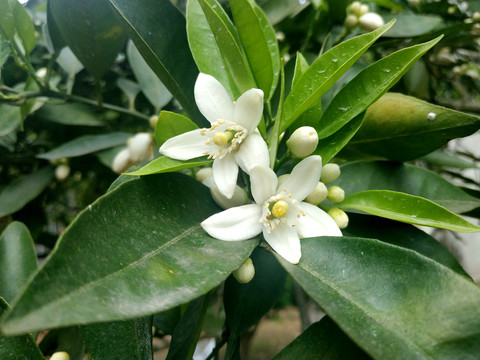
139,148
360,14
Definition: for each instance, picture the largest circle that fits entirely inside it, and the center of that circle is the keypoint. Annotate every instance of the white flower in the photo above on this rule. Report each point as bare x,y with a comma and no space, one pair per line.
232,140
279,212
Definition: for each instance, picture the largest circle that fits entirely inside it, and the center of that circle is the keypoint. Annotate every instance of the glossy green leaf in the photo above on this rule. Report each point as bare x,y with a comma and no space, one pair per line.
158,257
18,259
186,333
406,208
166,49
245,304
14,19
23,189
410,179
85,145
301,66
323,73
164,164
322,340
228,45
128,339
409,25
151,86
400,127
383,294
259,42
369,86
70,114
204,47
17,347
4,50
171,124
10,120
277,10
7,19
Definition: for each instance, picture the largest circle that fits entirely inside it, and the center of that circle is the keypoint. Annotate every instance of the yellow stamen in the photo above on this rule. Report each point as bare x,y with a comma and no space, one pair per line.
280,209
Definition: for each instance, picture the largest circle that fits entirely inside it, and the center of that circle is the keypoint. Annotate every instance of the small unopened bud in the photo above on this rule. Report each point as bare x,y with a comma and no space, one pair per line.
239,197
363,9
351,21
203,174
318,194
339,216
60,355
62,172
140,147
370,21
354,7
245,272
303,141
153,121
330,173
122,161
336,194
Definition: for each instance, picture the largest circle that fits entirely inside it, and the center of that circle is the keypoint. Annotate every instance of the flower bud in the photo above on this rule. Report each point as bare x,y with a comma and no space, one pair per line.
62,172
370,21
245,272
339,216
204,173
351,21
153,121
336,194
140,147
303,141
60,355
239,197
354,7
122,161
363,9
318,194
282,178
330,173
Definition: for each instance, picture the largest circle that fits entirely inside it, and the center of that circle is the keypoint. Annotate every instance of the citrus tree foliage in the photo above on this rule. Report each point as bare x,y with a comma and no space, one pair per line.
142,144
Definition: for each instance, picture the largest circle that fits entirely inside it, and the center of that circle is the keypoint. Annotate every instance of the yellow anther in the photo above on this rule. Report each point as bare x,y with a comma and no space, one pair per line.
220,138
280,209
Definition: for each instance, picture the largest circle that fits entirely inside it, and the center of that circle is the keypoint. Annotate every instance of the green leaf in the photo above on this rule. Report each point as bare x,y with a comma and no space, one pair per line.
166,321
393,302
400,127
323,73
322,340
15,19
23,189
66,339
245,304
301,66
277,10
70,114
7,19
410,179
410,25
17,347
10,120
158,257
171,124
449,159
406,208
91,30
166,49
151,86
5,50
164,164
259,42
129,339
369,86
18,259
228,45
85,145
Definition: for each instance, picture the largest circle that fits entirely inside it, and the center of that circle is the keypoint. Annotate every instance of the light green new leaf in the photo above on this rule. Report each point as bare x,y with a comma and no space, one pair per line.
323,73
301,66
170,124
406,208
86,145
14,19
18,259
393,302
259,42
22,190
164,164
10,120
410,179
369,86
70,114
136,251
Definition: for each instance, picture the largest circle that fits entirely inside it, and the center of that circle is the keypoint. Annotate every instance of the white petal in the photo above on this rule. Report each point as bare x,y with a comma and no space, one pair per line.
140,147
263,183
212,99
185,146
253,151
248,109
284,240
304,177
316,223
238,223
225,172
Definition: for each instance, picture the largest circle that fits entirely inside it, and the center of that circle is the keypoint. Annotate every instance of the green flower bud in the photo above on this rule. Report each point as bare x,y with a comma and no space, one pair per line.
245,272
153,121
318,194
60,355
363,9
336,194
303,141
330,173
339,216
351,21
370,21
354,7
239,197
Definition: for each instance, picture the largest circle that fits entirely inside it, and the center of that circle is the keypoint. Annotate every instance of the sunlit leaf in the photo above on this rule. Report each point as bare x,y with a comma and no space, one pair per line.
164,164
171,124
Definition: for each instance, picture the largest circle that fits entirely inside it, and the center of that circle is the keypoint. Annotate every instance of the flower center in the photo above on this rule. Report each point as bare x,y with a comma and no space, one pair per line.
227,136
279,209
222,138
